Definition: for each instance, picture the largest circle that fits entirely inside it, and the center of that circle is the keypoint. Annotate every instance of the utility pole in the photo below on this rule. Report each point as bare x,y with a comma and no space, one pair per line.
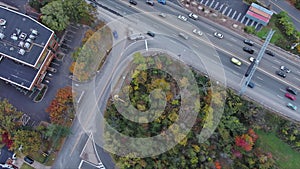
254,64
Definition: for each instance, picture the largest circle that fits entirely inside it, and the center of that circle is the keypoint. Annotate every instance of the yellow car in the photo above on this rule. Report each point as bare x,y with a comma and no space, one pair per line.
236,61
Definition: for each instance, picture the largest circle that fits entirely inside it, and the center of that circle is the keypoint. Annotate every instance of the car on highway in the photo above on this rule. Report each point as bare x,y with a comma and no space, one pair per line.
163,15
197,32
183,18
285,69
249,50
280,73
150,2
269,52
133,2
248,42
291,106
193,16
115,34
291,90
290,96
236,61
218,35
184,36
251,84
251,59
152,34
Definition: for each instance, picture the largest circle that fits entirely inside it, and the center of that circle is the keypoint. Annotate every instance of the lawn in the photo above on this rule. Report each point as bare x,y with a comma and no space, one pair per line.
26,166
38,157
286,158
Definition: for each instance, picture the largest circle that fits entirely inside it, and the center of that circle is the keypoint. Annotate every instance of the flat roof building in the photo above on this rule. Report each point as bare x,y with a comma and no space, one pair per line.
26,49
259,14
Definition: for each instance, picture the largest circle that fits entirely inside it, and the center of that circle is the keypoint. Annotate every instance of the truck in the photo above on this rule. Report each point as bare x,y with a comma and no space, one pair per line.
162,2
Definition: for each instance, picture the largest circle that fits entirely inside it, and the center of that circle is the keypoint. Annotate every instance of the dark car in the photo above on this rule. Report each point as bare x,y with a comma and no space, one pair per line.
115,33
133,2
251,84
269,53
248,42
281,73
291,90
28,160
249,50
150,2
150,33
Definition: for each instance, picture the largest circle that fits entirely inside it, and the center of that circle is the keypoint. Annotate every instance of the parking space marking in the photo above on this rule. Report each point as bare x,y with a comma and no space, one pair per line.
224,10
206,3
243,19
213,1
281,97
239,15
216,5
221,7
233,15
229,12
201,1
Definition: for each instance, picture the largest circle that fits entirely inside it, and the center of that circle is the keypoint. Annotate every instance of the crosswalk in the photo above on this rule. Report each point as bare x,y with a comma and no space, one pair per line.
225,10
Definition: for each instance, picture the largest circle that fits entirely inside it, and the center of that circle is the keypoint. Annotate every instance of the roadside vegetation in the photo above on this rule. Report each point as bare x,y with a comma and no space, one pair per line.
296,3
41,142
286,35
245,137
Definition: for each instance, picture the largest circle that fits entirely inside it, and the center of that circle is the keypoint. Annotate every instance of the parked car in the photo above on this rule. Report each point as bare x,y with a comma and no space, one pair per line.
291,106
249,50
291,90
218,35
285,69
281,73
248,42
152,34
197,32
236,61
133,2
269,52
150,2
183,18
28,160
193,16
290,96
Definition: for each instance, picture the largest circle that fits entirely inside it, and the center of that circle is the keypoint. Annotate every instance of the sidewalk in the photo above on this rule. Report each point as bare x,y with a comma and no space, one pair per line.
20,160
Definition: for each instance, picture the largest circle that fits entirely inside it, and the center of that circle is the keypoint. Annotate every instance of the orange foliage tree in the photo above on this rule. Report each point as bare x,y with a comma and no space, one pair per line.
61,107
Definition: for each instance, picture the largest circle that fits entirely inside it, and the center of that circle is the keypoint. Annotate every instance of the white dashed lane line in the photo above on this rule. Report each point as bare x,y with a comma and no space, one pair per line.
274,67
275,60
281,97
282,90
259,78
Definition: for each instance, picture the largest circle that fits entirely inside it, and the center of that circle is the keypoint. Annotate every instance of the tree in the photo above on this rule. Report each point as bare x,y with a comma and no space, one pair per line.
77,10
54,17
54,131
30,141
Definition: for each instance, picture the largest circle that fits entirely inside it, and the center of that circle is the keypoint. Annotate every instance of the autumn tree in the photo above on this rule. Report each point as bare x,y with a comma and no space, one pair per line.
30,140
61,108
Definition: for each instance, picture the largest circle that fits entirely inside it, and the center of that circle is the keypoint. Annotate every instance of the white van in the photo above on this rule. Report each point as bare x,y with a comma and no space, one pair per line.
193,16
184,36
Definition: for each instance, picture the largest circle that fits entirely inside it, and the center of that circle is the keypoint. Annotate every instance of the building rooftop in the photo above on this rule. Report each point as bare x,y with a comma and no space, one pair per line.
22,38
259,14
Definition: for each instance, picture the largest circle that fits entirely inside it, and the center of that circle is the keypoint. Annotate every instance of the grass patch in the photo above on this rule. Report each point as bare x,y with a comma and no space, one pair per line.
26,166
38,157
41,94
50,160
284,155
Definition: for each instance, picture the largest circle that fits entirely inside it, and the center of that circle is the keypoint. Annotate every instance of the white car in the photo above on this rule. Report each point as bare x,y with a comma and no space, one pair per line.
251,59
163,15
193,16
197,32
218,35
183,18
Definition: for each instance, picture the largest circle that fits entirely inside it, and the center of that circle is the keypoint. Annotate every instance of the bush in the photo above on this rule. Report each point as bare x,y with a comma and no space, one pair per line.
249,29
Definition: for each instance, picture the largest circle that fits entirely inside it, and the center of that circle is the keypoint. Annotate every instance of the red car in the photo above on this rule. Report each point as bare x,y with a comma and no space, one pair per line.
290,96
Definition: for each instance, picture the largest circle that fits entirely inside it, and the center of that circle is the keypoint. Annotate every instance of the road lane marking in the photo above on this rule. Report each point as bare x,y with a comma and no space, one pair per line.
237,66
279,96
233,39
257,84
236,73
297,78
195,45
229,44
274,67
282,90
275,60
260,78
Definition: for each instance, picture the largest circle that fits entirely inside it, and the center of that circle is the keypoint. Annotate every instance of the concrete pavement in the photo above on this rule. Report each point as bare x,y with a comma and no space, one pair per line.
20,160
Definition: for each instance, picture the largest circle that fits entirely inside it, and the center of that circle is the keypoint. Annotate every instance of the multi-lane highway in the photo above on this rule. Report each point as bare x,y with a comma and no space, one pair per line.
269,89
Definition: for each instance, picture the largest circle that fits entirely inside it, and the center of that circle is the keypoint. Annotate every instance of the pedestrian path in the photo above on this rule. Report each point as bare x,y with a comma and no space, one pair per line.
20,160
226,10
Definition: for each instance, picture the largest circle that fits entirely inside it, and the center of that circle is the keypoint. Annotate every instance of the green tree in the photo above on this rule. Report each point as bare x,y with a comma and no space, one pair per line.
30,140
54,131
54,16
77,10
